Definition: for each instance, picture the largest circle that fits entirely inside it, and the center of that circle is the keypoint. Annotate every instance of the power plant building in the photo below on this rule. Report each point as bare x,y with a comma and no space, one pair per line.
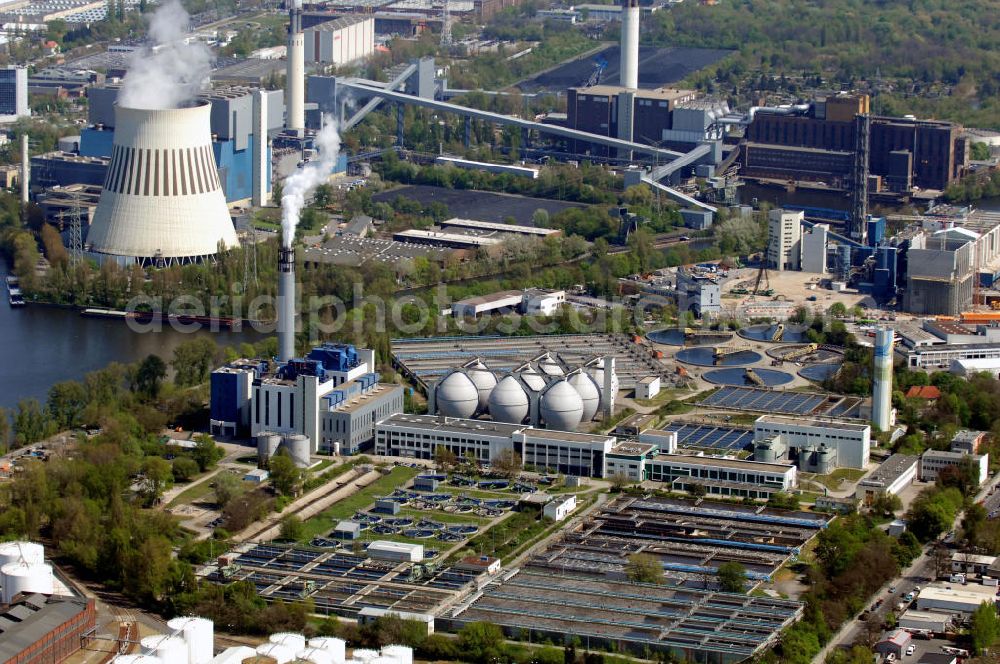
847,444
698,293
332,397
784,238
940,272
341,41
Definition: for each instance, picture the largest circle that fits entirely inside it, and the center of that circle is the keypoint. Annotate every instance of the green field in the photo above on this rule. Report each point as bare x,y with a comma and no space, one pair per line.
193,494
323,522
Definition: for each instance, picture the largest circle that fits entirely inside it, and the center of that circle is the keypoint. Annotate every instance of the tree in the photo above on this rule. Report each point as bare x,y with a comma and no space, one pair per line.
157,477
985,627
619,481
292,529
838,310
507,463
286,477
227,486
30,424
444,458
206,453
480,642
193,360
886,504
149,376
644,568
66,403
184,468
732,577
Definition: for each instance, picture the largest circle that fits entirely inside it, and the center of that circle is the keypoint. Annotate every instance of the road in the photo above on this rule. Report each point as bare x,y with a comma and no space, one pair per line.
920,572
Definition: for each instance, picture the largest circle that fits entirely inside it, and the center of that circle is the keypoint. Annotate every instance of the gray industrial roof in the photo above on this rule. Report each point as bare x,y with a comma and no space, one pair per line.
28,621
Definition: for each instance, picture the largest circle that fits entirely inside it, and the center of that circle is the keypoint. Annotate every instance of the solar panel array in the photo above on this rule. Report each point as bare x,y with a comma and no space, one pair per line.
709,437
770,401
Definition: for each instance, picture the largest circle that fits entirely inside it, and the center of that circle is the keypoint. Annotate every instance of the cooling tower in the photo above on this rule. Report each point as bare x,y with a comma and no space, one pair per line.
162,197
630,44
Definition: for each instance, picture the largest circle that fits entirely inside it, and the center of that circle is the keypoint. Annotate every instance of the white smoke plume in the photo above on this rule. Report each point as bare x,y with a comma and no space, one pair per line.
302,183
167,71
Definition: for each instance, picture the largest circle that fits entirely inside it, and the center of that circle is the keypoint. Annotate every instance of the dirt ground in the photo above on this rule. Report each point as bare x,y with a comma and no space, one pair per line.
795,287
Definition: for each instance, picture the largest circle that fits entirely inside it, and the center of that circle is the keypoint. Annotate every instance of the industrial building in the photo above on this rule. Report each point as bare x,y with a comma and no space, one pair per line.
816,142
784,237
340,41
837,443
940,272
932,462
532,301
814,243
541,392
44,628
724,477
955,598
892,476
698,292
332,397
419,436
763,400
14,93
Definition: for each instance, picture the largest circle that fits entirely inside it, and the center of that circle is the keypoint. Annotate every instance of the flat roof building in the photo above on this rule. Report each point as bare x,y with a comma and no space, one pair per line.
932,462
850,441
892,476
955,599
40,628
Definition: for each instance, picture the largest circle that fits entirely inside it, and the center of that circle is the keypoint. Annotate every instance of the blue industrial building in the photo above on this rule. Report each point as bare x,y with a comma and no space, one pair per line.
876,230
885,276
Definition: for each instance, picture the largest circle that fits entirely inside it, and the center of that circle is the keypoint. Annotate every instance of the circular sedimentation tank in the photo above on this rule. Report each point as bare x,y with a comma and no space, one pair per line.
776,332
819,372
677,337
740,377
704,356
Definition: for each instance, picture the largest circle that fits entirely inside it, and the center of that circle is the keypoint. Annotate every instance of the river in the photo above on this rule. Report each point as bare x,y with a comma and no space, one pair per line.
41,346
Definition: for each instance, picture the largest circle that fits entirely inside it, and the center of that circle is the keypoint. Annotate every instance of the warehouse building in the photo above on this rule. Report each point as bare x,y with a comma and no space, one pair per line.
849,442
933,622
419,437
340,41
932,462
40,628
892,476
332,396
955,599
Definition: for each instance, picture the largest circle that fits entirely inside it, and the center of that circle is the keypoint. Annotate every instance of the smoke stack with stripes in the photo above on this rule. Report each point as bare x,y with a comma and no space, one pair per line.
295,118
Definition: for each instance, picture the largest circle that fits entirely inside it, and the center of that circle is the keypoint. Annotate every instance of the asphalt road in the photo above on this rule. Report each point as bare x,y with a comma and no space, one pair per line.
920,572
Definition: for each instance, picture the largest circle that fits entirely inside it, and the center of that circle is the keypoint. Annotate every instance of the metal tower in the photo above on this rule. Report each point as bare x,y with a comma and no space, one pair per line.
76,231
250,257
862,150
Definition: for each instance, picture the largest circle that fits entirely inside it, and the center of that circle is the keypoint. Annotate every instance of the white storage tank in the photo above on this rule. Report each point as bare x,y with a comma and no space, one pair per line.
484,380
28,552
508,401
234,655
590,393
17,578
199,634
165,648
137,659
532,379
336,647
299,448
456,395
382,660
314,656
279,653
293,641
402,654
561,407
267,445
365,655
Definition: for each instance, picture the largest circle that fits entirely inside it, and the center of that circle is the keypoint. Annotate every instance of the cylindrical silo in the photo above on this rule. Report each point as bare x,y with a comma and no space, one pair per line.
314,656
199,634
162,198
364,655
17,578
299,448
28,552
137,659
234,655
402,654
165,648
336,647
281,654
294,642
267,445
381,659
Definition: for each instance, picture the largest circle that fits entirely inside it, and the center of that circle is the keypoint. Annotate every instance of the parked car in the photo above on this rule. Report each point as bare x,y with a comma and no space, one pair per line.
910,649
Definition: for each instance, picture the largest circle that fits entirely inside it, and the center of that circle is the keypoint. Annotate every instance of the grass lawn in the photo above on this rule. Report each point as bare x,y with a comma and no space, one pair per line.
193,494
323,522
833,480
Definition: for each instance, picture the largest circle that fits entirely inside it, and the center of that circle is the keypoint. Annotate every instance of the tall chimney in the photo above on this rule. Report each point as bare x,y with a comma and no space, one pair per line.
295,119
608,398
261,165
882,383
25,170
630,44
286,304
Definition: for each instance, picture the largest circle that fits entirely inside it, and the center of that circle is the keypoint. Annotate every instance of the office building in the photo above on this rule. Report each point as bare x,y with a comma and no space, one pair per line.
892,476
932,462
784,237
967,441
419,437
13,93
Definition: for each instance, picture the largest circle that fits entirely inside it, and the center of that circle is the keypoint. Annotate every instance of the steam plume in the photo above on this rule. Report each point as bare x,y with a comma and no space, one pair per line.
301,183
167,71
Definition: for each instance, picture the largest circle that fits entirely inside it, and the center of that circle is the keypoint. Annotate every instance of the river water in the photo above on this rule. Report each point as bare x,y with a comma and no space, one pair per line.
41,345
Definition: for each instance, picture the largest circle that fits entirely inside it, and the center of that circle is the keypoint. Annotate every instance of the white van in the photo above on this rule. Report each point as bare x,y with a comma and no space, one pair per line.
957,578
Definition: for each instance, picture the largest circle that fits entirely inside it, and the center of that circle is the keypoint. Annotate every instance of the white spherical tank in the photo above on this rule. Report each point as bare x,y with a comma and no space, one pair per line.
508,401
279,653
561,407
589,392
402,654
365,655
484,380
314,656
457,396
165,648
299,448
597,373
199,634
532,379
551,369
291,640
162,195
267,445
336,647
28,552
17,578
